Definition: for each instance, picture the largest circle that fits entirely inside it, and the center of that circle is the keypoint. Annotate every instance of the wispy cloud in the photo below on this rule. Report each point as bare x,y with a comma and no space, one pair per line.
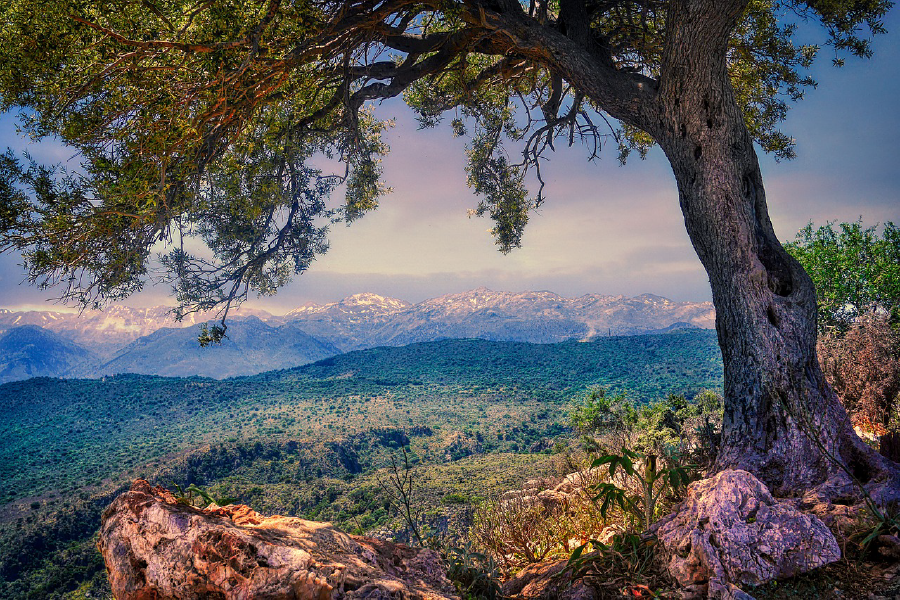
603,229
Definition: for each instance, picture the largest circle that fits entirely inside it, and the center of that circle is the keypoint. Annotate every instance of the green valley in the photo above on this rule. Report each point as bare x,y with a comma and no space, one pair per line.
308,440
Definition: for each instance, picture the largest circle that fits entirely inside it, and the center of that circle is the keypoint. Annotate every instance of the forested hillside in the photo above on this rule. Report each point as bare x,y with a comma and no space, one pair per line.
305,440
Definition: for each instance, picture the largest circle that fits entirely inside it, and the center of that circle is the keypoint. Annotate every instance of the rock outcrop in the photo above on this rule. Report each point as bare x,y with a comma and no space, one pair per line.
156,548
541,581
730,532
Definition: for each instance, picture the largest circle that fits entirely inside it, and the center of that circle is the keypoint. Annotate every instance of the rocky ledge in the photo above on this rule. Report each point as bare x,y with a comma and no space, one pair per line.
155,547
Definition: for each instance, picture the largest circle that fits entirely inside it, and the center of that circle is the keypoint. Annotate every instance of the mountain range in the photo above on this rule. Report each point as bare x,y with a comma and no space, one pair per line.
149,340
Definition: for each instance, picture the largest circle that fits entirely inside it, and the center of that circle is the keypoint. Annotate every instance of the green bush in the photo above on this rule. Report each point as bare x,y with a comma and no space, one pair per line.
475,575
675,429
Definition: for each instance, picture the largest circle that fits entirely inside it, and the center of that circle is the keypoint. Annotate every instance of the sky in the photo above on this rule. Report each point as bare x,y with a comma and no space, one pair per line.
604,229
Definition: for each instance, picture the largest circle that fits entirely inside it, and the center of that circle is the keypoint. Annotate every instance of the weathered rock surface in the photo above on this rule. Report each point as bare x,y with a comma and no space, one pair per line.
555,494
730,532
541,581
156,548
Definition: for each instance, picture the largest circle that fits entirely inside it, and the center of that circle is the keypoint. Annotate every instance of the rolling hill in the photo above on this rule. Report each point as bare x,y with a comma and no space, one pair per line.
307,440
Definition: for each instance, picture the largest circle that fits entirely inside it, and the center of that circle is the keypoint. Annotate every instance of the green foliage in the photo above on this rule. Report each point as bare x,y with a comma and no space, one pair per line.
475,575
652,484
521,528
103,428
627,565
767,61
211,335
309,441
674,428
879,522
456,499
157,162
199,124
599,412
195,496
854,269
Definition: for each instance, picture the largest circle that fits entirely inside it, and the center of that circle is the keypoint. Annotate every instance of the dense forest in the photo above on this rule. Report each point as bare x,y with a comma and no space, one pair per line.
307,441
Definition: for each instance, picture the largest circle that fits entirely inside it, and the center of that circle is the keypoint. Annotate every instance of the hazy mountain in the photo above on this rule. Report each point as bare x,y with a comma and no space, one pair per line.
368,320
251,347
150,341
31,351
104,332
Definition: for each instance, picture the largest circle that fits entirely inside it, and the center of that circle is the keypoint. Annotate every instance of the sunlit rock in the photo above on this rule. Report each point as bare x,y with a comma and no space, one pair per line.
731,533
156,548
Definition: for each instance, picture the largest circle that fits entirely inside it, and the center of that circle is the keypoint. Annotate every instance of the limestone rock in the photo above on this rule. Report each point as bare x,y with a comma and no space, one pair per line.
730,532
156,548
580,480
554,501
888,546
842,519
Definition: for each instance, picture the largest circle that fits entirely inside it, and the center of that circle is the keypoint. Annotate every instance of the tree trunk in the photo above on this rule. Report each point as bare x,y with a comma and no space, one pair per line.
782,421
775,393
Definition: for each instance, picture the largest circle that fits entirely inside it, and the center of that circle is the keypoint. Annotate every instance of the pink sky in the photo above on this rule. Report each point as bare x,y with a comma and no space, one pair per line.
604,228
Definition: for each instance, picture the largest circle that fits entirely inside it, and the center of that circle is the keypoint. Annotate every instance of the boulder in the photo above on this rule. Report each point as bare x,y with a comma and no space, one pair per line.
731,533
554,501
888,546
156,548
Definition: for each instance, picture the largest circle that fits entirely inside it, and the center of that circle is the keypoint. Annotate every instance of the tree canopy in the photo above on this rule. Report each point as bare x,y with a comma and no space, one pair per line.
855,270
197,125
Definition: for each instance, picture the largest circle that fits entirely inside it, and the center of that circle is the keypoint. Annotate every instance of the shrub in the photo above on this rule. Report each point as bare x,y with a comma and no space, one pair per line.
863,367
514,530
475,575
675,429
628,565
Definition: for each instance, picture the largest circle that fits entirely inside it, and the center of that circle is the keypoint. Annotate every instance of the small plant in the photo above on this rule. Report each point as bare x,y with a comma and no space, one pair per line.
475,575
516,531
403,495
195,496
886,522
627,566
652,484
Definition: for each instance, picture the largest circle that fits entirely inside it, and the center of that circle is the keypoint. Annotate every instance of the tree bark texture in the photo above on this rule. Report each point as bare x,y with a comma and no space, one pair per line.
775,394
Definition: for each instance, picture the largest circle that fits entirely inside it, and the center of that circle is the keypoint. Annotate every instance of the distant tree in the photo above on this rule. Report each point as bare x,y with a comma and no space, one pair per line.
855,270
197,120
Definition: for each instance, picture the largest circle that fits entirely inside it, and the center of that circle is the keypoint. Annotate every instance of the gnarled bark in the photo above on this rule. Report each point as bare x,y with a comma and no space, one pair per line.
776,397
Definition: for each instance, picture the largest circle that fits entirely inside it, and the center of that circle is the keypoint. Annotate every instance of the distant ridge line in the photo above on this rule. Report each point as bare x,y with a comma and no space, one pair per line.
149,341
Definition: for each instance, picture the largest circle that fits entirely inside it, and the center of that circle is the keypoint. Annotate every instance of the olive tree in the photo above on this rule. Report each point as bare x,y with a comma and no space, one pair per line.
199,120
